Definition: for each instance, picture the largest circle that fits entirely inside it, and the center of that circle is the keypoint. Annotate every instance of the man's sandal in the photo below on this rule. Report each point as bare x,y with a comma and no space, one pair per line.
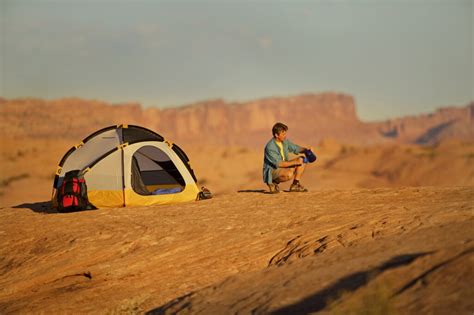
297,188
274,189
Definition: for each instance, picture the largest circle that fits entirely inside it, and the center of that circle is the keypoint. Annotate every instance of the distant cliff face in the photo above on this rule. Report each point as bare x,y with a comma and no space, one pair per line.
66,118
310,117
445,123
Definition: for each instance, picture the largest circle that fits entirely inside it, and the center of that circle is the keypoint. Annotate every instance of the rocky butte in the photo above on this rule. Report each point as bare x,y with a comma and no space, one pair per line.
311,117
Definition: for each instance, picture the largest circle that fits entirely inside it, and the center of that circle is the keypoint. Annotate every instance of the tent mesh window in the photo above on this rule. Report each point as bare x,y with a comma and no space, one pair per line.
153,173
134,134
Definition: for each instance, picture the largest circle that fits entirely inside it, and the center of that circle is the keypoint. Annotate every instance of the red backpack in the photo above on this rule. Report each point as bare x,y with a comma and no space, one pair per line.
72,194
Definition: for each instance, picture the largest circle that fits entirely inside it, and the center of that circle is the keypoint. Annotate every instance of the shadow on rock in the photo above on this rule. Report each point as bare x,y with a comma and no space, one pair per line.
40,207
262,191
350,283
162,309
315,302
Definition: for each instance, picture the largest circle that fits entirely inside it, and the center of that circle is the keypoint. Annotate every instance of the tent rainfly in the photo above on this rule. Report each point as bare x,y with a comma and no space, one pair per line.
128,165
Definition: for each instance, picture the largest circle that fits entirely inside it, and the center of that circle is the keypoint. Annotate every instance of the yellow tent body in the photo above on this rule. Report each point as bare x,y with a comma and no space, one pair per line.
129,165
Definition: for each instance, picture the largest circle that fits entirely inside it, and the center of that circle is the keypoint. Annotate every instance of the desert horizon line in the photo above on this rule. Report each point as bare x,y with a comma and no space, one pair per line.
230,102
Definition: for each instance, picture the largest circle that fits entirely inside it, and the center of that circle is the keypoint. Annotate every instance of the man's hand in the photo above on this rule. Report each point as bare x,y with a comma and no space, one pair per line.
298,161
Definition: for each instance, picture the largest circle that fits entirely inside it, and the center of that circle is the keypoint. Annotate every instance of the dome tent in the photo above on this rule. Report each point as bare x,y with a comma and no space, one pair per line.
128,165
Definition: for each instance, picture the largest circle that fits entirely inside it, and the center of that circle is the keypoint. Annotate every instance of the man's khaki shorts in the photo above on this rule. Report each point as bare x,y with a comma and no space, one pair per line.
277,172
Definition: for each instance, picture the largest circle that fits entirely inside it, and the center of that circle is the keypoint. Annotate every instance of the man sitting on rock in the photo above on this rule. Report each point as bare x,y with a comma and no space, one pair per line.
276,166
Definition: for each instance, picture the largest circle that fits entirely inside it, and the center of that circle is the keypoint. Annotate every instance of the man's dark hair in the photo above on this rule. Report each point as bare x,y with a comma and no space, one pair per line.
279,127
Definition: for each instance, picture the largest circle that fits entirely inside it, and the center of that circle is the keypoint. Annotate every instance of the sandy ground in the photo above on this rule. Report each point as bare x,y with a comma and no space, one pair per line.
245,252
387,229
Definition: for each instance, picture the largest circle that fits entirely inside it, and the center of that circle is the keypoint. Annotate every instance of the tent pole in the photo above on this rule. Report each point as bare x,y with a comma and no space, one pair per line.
123,177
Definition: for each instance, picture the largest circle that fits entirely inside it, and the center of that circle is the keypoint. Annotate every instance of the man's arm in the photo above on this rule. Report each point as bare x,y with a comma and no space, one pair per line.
274,157
297,149
291,163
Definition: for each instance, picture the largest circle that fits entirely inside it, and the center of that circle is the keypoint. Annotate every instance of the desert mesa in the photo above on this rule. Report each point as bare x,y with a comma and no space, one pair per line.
312,118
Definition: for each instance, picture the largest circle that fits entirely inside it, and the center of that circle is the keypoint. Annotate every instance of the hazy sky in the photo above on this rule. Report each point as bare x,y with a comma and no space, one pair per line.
395,57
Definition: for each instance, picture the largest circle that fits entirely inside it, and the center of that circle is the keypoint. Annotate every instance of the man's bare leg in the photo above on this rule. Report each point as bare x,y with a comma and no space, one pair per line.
285,174
289,173
299,171
296,186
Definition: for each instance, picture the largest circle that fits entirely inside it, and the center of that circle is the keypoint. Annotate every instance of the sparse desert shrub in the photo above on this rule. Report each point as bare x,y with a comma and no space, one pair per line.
129,306
469,155
243,150
429,153
6,181
432,154
372,300
346,149
226,154
376,301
